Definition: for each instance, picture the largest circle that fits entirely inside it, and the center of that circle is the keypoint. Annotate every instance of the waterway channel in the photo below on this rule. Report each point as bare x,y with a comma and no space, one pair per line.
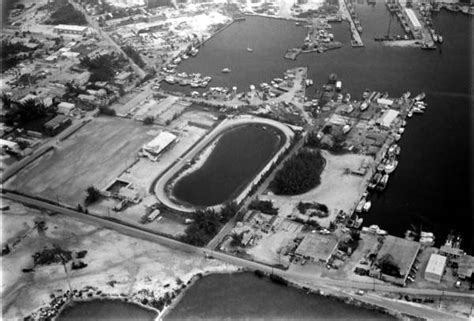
431,187
245,296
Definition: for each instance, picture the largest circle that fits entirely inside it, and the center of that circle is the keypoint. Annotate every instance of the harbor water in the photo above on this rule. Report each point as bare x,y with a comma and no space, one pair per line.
244,296
430,190
239,154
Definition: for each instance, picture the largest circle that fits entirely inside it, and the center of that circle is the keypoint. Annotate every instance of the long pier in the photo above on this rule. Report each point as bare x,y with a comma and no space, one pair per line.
356,39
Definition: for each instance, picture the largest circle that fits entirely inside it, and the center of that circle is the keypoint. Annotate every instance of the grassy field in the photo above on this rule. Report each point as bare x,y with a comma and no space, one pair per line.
95,155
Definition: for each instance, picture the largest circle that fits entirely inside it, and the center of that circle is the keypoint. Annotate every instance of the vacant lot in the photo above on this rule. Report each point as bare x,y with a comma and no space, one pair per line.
95,155
338,189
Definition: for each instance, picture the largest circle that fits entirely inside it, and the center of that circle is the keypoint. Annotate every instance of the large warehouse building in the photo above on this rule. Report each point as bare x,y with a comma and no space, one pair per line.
435,269
154,148
402,253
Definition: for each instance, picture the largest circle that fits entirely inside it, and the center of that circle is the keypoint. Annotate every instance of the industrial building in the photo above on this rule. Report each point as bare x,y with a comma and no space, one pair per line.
57,125
317,247
386,120
65,108
154,148
402,253
435,269
71,29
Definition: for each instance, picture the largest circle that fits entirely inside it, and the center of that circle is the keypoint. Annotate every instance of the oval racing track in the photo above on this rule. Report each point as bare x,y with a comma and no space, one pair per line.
161,184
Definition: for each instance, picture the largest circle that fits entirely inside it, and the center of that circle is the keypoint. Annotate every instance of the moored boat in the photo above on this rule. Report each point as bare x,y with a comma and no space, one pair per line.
391,166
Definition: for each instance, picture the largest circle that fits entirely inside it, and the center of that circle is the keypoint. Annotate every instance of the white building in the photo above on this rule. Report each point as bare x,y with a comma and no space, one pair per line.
12,146
71,29
387,118
154,148
65,108
435,269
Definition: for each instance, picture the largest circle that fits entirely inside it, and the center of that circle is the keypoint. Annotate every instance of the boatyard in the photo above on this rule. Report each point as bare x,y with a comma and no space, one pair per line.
252,133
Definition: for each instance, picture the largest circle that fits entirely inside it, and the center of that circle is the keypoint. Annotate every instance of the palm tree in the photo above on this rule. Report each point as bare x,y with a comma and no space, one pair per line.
7,101
59,253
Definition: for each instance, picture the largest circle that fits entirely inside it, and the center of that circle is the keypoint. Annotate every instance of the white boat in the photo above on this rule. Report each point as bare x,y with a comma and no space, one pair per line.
249,49
427,234
252,87
360,206
381,232
367,206
226,70
410,114
420,97
440,38
418,110
401,130
391,166
185,57
170,79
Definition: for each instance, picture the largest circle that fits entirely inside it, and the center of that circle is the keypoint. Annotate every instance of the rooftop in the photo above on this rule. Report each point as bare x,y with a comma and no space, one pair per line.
317,246
402,251
436,264
71,27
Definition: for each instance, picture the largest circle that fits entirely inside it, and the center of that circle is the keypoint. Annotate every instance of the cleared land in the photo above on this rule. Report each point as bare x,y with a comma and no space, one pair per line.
338,190
94,155
127,263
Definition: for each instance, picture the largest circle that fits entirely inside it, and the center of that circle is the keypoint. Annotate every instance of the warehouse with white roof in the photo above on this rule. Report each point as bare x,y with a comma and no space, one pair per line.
154,148
435,269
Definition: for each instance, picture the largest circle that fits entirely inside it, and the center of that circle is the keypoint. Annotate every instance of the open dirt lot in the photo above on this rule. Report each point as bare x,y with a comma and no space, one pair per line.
338,190
94,155
132,263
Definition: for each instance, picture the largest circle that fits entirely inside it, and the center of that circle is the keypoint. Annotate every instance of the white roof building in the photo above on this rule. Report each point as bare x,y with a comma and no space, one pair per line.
413,19
387,118
65,107
153,149
385,101
435,269
70,29
13,146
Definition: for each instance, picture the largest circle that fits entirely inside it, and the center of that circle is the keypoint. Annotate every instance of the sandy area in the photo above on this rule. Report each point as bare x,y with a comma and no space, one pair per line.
338,190
134,264
94,155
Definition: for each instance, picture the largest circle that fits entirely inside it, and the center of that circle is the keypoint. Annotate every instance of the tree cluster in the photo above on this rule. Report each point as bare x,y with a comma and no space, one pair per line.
134,55
102,67
93,195
51,256
207,224
299,174
263,206
388,266
67,14
9,53
24,112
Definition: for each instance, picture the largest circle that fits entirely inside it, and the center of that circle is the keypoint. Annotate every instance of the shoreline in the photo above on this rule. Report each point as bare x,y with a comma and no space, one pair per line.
168,299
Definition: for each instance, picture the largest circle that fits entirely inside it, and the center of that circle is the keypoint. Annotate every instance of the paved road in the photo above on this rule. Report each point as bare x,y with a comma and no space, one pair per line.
291,275
94,24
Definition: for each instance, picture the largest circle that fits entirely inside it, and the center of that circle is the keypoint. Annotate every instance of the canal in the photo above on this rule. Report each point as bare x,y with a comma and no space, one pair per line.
245,296
96,310
431,188
238,155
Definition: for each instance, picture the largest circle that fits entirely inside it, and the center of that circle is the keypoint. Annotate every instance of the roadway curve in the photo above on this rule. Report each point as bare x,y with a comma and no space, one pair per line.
160,186
311,281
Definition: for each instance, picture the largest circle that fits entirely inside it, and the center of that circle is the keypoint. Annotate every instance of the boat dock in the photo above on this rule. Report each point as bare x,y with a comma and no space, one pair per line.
356,39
